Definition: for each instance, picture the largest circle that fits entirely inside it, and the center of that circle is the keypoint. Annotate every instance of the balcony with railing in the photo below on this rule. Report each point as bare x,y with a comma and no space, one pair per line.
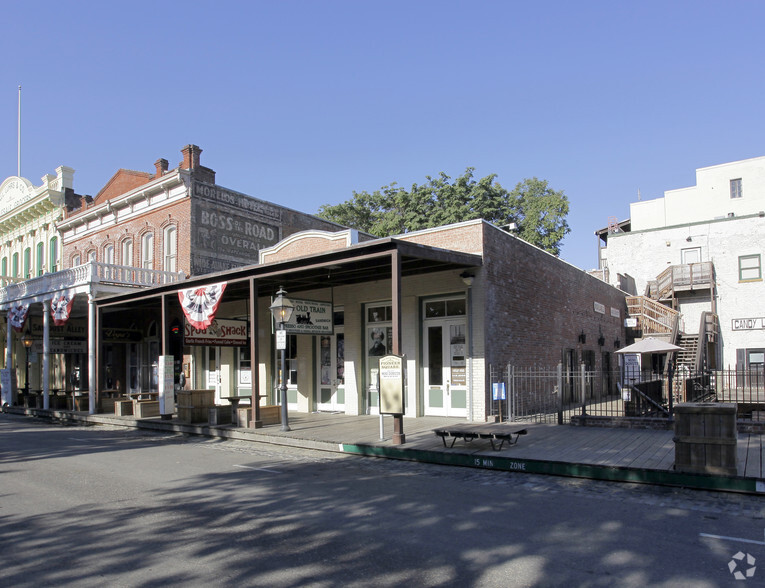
88,274
684,278
652,317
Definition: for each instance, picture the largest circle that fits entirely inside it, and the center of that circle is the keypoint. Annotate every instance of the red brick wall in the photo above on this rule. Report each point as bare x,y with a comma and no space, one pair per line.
537,305
120,183
154,221
467,238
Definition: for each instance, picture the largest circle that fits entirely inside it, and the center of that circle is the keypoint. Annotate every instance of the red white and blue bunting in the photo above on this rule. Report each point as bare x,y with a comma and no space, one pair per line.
17,316
61,307
200,304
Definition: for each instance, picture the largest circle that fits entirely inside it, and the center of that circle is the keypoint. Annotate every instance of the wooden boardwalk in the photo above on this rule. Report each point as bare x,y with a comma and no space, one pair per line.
615,447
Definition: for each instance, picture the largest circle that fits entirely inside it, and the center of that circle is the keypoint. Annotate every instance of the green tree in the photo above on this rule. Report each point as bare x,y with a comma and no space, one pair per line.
538,211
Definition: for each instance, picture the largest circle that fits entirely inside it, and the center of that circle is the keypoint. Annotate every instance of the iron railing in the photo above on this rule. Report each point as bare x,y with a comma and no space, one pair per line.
555,395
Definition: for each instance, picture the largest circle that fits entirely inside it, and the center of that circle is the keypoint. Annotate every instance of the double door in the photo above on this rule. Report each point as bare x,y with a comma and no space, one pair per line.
445,368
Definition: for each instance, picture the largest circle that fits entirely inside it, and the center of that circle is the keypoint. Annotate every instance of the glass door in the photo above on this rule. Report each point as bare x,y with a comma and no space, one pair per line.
445,368
331,392
212,369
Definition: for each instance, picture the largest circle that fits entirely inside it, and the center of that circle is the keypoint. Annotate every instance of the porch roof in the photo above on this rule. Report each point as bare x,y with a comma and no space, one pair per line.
364,262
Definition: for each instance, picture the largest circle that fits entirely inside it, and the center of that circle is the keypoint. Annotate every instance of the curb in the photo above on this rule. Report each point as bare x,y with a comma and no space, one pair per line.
718,483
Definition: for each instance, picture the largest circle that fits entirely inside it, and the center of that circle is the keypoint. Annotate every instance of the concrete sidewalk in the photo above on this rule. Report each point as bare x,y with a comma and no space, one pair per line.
615,454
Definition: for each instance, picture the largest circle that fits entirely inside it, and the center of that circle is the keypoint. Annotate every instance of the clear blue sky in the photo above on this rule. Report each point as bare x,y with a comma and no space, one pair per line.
303,102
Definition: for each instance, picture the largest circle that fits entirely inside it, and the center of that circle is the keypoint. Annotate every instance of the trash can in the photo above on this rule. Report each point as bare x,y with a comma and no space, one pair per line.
706,438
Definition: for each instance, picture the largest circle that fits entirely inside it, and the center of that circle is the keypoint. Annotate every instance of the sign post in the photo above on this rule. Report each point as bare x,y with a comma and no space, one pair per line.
8,385
166,386
392,393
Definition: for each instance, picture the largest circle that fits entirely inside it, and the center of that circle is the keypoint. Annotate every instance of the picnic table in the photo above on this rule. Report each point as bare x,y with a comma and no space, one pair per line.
497,433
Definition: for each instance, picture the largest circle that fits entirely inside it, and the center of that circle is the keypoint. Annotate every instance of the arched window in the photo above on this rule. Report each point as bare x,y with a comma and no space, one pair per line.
40,260
147,251
27,263
91,255
127,252
76,260
109,254
171,249
53,255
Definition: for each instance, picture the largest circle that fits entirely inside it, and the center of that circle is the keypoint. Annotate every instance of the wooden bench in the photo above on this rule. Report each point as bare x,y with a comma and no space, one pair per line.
497,434
144,409
219,415
123,407
269,415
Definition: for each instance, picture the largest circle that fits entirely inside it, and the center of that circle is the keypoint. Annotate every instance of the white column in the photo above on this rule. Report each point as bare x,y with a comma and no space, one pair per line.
8,346
46,355
91,353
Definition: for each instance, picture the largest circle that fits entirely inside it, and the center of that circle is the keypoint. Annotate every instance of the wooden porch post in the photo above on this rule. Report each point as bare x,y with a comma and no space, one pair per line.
399,438
256,422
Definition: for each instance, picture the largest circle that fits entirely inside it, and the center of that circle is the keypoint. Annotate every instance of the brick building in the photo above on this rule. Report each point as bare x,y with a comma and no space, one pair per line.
452,300
175,220
60,251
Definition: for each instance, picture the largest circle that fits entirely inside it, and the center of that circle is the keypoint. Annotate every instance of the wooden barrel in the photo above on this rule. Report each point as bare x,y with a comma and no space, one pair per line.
706,438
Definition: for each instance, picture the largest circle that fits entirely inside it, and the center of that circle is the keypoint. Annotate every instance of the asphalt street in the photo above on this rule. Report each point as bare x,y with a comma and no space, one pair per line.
104,506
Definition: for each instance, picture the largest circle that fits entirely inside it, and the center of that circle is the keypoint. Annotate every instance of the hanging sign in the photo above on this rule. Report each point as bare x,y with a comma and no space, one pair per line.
200,304
310,317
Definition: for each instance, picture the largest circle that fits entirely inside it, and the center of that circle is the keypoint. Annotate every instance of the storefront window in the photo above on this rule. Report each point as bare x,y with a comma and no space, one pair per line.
378,342
245,373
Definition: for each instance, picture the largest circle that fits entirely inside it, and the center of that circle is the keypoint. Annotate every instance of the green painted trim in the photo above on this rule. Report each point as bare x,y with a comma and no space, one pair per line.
593,472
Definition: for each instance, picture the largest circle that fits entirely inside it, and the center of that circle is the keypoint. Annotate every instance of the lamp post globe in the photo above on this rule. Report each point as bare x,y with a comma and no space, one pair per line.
281,309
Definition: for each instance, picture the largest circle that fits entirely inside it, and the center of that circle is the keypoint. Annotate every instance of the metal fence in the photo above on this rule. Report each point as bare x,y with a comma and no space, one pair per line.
554,395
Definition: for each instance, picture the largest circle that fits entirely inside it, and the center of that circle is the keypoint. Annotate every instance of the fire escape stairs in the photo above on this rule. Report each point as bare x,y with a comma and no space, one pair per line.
687,356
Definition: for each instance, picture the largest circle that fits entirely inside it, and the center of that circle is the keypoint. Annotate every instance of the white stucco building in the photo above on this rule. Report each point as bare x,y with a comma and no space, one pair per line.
699,249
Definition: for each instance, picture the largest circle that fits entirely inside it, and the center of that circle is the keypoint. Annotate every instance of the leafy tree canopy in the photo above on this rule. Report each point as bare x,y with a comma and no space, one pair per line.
538,211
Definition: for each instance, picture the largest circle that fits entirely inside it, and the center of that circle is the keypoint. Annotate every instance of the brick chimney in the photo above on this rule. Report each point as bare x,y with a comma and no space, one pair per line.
190,157
161,165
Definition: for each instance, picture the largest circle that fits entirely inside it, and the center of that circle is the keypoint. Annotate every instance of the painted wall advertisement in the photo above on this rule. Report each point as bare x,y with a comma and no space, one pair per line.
230,228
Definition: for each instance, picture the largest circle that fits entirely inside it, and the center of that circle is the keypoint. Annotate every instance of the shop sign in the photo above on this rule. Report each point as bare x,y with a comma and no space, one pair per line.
748,324
310,317
110,335
221,332
61,346
72,328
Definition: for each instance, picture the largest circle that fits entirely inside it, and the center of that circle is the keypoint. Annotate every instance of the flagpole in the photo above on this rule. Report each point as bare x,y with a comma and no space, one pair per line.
18,173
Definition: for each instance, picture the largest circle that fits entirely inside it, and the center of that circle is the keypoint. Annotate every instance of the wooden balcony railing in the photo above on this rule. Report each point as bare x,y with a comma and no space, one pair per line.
686,277
652,316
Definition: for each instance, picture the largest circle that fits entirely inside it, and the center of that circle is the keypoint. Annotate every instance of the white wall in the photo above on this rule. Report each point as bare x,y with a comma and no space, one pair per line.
708,199
645,254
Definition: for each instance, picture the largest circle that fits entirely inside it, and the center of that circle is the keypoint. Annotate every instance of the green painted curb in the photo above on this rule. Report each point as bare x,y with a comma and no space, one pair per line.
557,468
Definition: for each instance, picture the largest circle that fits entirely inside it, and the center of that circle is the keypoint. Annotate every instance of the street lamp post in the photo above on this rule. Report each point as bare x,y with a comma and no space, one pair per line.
281,309
26,341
